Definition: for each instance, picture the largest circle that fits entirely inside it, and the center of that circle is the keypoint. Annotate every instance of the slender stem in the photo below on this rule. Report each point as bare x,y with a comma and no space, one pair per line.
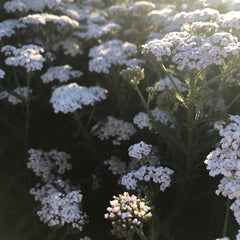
233,101
78,121
225,226
174,84
190,135
16,78
27,117
145,104
140,233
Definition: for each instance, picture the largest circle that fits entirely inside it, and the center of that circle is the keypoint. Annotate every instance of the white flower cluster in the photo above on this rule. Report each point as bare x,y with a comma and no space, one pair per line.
48,165
69,98
96,31
36,5
62,73
166,84
127,212
113,52
119,167
116,9
230,20
193,52
60,202
44,18
41,191
141,6
2,73
14,100
70,46
139,150
28,56
116,165
229,5
7,27
114,128
225,160
199,15
162,16
159,175
59,208
143,121
203,27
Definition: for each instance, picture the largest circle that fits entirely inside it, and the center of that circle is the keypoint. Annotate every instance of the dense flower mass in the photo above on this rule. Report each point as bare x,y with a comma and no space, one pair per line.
193,52
62,73
114,52
18,95
69,98
28,56
225,160
127,212
139,150
36,5
48,165
58,209
159,175
44,18
96,31
142,120
8,27
114,128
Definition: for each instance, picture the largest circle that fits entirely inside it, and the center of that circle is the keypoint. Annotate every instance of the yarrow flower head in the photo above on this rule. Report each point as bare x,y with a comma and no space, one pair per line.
114,52
139,150
96,31
142,120
21,95
141,6
71,46
28,56
225,160
114,128
126,213
45,18
200,15
159,175
8,27
36,5
62,73
59,208
48,165
166,84
116,165
69,98
193,52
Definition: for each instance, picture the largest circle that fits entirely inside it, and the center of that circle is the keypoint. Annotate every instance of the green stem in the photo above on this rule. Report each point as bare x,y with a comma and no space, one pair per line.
77,119
233,101
190,136
154,225
225,226
140,233
174,84
145,104
27,117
